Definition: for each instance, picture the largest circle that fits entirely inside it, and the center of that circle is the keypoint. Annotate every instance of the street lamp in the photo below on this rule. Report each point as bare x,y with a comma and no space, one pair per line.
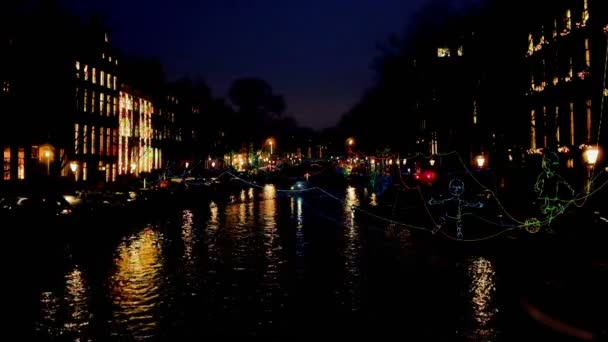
74,168
432,161
590,155
270,142
481,160
47,154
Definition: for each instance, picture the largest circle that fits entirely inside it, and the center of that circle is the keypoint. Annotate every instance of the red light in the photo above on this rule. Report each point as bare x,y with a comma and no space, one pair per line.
428,176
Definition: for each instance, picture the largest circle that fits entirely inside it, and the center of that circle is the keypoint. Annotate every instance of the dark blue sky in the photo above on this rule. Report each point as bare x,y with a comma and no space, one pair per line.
317,53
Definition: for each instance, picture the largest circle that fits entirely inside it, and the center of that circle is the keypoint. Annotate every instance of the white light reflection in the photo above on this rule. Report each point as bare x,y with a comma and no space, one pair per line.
77,299
352,248
482,290
296,209
189,241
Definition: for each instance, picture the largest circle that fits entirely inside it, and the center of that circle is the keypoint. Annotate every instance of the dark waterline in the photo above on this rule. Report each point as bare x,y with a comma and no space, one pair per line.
264,263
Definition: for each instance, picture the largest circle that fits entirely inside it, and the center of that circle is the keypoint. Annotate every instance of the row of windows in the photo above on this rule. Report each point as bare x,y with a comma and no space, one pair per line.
93,102
105,79
561,27
561,69
20,163
93,140
447,52
564,120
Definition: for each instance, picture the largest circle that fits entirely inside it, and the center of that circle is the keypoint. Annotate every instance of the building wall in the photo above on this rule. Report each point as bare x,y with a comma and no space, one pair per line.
566,63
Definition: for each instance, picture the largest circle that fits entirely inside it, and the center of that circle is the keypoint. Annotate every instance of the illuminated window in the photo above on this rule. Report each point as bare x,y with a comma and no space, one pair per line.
21,163
460,50
84,171
557,124
554,28
85,138
571,123
105,37
102,78
101,141
114,172
587,53
7,163
86,72
93,101
108,105
568,20
76,139
102,104
85,100
114,83
115,111
77,69
103,55
115,142
35,151
6,86
545,133
110,59
474,112
585,12
94,76
588,107
93,139
571,69
533,129
108,139
443,52
109,80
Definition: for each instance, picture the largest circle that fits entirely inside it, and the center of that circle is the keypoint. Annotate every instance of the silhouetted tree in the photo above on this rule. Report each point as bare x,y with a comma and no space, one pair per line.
257,107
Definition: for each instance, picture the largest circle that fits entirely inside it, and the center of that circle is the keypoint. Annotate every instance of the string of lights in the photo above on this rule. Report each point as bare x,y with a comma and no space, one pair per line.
530,224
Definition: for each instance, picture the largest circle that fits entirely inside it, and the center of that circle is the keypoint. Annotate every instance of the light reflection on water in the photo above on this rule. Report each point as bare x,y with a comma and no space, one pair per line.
136,286
482,290
236,259
69,316
352,248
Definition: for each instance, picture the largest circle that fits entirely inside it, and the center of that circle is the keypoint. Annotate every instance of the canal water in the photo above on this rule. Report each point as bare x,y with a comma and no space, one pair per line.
260,262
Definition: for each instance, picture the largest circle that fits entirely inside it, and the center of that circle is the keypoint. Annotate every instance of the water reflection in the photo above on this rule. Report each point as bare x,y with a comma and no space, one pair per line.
136,286
77,300
189,240
296,210
270,277
70,316
482,290
352,247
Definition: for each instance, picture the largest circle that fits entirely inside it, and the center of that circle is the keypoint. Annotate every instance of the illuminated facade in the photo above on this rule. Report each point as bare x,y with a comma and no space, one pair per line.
58,98
566,61
95,126
136,153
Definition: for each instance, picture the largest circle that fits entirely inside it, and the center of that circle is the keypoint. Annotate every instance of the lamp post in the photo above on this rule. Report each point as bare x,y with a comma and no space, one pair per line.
270,142
74,168
590,154
47,155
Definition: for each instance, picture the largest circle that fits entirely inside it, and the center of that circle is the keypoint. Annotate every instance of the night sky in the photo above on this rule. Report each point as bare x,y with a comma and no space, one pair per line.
316,53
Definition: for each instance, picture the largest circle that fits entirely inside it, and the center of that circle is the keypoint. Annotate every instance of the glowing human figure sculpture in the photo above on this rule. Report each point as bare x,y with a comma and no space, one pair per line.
552,190
456,187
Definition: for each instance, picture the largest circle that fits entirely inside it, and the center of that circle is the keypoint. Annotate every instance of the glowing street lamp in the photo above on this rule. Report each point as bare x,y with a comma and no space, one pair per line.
481,160
432,161
74,168
270,142
590,155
